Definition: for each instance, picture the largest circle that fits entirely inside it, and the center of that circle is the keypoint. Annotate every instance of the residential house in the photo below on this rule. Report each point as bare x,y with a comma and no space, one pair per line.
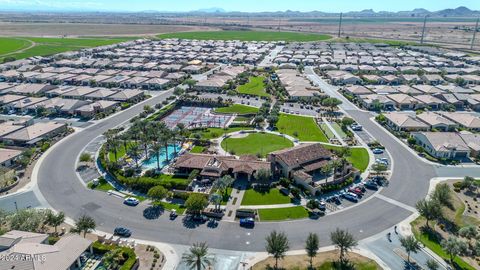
399,121
448,145
437,121
35,133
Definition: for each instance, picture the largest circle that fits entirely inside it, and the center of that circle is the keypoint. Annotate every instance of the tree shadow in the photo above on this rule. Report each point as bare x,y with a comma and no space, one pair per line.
153,212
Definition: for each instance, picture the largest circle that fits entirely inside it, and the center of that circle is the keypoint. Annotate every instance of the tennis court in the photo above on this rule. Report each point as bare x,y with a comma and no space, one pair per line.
196,117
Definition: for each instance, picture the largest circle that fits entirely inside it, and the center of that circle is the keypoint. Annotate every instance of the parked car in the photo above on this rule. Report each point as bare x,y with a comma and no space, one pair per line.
357,127
121,231
384,160
351,197
379,161
371,185
355,190
131,201
247,222
173,214
377,151
199,218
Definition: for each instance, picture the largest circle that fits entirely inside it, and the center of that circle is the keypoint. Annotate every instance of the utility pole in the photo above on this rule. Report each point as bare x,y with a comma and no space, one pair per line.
423,30
474,34
340,25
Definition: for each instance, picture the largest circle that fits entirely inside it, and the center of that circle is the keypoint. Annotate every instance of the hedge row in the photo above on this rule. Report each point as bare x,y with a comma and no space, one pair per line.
101,249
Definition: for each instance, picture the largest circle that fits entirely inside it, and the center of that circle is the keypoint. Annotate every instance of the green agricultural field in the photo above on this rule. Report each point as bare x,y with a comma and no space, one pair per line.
301,127
10,45
278,214
238,109
214,133
255,86
358,157
256,144
247,36
49,46
373,41
273,196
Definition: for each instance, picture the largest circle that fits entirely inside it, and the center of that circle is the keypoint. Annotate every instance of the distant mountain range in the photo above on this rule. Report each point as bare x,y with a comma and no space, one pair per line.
418,12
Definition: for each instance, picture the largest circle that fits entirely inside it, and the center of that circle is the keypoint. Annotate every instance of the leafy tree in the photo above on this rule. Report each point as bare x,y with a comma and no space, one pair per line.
157,193
190,83
312,246
429,209
263,175
55,220
443,194
277,245
178,91
197,258
453,247
410,244
85,224
347,121
196,203
223,183
432,264
29,220
470,232
344,241
85,157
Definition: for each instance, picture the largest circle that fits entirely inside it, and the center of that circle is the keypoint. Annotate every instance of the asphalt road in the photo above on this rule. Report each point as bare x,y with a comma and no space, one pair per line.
63,191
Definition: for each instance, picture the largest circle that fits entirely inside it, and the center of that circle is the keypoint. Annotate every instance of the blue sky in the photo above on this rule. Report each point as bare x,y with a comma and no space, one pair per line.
237,5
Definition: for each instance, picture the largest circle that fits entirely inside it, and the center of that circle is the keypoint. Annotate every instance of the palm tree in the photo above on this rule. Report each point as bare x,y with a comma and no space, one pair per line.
114,258
85,224
166,138
311,246
112,143
134,153
277,245
344,241
55,220
410,244
156,148
198,257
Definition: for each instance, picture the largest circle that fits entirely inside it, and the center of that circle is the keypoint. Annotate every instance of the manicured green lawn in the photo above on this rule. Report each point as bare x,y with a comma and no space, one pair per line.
170,206
247,36
255,86
256,143
358,156
327,131
214,133
197,149
277,214
273,196
10,45
339,130
302,127
238,109
103,185
49,46
121,152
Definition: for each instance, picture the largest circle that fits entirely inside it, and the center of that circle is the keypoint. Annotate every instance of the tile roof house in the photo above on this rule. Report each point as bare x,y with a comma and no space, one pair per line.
400,121
465,120
212,166
63,255
34,133
406,102
447,145
8,157
437,121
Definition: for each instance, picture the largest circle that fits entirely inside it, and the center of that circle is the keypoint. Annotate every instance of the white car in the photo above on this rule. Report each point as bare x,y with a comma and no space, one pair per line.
131,201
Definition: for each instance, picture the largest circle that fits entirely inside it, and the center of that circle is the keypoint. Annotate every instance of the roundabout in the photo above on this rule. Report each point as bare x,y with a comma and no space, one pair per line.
60,188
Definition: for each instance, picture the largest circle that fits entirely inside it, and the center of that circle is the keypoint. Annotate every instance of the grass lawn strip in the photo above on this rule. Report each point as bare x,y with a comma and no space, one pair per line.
277,214
247,36
358,156
255,86
327,131
339,130
273,196
256,143
238,109
304,127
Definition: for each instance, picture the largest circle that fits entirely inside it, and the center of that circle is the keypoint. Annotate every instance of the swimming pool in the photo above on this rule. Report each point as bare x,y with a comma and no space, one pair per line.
151,163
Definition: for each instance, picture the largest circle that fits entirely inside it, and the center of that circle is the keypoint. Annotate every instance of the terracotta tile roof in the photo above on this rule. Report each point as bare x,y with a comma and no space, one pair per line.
302,154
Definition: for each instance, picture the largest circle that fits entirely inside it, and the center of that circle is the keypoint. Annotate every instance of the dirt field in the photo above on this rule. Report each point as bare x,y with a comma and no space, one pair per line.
302,261
77,30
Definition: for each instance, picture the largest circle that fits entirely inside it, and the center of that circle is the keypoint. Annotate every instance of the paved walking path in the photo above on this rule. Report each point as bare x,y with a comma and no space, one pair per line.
235,199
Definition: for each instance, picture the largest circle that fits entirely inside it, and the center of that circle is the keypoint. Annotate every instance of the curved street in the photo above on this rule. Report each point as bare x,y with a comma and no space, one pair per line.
63,191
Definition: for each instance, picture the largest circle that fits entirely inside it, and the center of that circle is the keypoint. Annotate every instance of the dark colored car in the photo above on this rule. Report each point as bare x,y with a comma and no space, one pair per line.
371,185
121,231
247,222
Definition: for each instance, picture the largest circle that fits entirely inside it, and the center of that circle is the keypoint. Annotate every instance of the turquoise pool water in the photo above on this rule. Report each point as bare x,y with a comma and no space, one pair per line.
151,163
